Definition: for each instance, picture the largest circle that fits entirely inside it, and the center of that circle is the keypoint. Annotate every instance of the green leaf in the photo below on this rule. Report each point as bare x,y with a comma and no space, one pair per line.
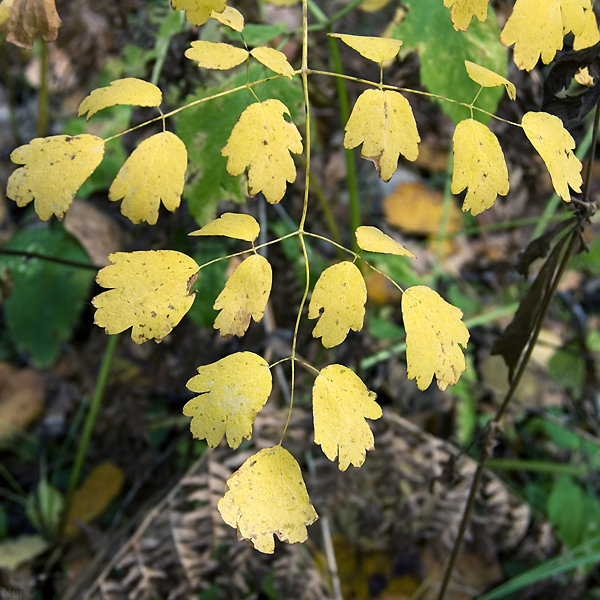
428,29
47,298
206,128
259,35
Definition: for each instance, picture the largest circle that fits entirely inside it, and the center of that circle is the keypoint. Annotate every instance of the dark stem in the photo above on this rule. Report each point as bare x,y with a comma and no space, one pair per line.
54,259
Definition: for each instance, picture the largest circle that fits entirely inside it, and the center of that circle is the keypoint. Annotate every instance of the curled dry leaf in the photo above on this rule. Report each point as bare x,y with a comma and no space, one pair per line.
26,18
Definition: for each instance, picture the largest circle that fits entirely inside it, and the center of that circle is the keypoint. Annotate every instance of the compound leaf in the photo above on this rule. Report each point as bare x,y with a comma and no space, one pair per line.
231,17
261,142
377,49
274,60
233,225
55,168
479,165
267,496
155,171
152,293
341,403
434,330
216,55
462,11
486,78
372,239
198,12
555,145
338,301
245,295
129,91
232,391
384,123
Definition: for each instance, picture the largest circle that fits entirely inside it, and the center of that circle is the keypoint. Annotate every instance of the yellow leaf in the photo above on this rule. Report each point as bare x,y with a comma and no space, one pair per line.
5,7
338,301
373,5
377,49
198,12
152,293
230,17
479,165
573,15
555,145
16,552
55,168
233,225
274,60
155,171
101,485
233,390
261,141
130,91
590,34
434,330
245,295
384,123
341,403
267,496
486,78
283,2
372,239
463,11
216,55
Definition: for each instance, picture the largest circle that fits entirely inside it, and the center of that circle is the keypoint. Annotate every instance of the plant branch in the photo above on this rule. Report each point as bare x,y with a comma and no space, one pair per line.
53,259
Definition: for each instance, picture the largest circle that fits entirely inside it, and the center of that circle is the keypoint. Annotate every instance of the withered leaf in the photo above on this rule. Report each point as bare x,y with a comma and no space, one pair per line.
27,17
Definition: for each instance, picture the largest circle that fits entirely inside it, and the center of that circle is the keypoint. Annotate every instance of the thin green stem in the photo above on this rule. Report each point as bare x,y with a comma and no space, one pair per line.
44,96
537,466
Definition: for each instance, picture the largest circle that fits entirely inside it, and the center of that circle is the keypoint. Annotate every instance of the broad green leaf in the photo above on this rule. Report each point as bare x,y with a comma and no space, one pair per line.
46,299
130,91
267,496
232,392
245,296
216,55
152,293
207,126
479,166
54,169
486,78
230,17
338,301
442,50
262,142
462,11
259,35
372,239
44,508
274,60
341,403
155,171
233,225
377,49
555,145
434,330
383,122
198,12
590,34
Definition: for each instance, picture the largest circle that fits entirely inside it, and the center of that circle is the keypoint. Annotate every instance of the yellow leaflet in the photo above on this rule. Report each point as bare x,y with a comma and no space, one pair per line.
245,295
479,165
341,403
233,225
377,49
555,145
152,293
233,390
372,239
54,170
464,10
135,92
155,171
434,331
267,496
215,55
384,123
573,15
230,17
198,12
373,5
486,78
274,60
5,7
338,301
590,34
261,141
